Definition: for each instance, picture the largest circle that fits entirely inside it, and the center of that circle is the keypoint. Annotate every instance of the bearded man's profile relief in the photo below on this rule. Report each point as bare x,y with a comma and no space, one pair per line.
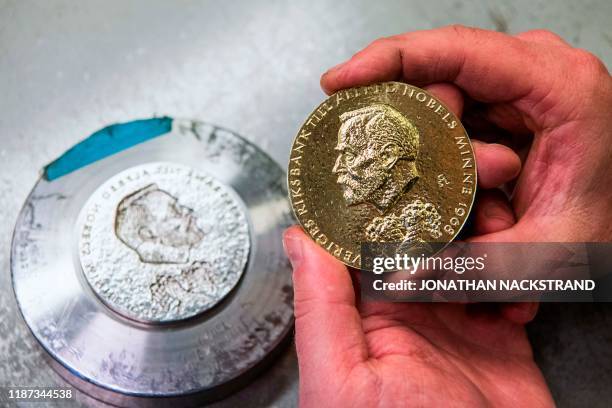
377,152
153,224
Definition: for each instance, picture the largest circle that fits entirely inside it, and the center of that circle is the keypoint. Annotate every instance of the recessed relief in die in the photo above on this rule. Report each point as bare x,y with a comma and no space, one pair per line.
163,242
154,225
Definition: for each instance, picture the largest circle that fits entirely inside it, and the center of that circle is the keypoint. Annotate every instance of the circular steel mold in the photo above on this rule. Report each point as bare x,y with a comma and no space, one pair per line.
130,363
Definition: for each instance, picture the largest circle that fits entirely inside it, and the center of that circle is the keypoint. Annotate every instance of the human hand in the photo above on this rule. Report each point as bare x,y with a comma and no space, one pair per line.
533,85
404,354
407,354
529,87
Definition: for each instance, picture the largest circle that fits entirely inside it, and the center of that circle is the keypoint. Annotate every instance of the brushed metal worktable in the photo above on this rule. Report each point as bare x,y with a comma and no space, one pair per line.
68,68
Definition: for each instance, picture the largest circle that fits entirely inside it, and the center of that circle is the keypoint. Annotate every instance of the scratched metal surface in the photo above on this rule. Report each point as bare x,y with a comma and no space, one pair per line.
68,68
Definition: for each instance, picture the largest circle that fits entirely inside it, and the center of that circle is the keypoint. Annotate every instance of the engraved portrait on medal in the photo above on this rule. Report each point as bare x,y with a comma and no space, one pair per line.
378,149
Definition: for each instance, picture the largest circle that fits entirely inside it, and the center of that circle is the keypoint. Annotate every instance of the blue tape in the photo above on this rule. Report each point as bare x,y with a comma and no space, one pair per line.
108,141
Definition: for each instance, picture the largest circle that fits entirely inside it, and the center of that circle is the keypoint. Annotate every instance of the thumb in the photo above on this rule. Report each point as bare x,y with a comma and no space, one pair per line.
329,336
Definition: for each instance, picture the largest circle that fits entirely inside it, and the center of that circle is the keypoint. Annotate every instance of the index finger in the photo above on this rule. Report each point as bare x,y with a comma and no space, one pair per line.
489,66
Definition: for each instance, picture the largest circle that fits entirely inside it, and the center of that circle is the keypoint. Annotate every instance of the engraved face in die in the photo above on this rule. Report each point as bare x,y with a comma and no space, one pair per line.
153,224
377,152
163,242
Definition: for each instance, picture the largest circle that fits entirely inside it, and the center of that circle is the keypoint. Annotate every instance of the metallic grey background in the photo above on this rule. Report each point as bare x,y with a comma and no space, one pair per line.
68,68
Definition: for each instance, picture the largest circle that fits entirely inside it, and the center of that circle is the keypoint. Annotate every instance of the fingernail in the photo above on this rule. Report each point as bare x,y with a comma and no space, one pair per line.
293,249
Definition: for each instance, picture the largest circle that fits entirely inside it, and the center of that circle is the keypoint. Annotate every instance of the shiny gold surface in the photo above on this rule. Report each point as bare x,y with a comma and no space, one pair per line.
383,163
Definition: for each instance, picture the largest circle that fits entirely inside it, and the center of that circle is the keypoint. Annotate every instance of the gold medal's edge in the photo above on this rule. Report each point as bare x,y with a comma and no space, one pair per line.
295,214
329,97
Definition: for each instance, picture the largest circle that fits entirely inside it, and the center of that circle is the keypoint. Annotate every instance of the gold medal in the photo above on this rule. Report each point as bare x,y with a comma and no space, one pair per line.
383,163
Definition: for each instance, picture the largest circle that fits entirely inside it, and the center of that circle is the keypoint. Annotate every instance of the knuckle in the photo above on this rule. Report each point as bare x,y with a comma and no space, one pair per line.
302,306
461,30
300,311
588,63
381,42
588,72
541,34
